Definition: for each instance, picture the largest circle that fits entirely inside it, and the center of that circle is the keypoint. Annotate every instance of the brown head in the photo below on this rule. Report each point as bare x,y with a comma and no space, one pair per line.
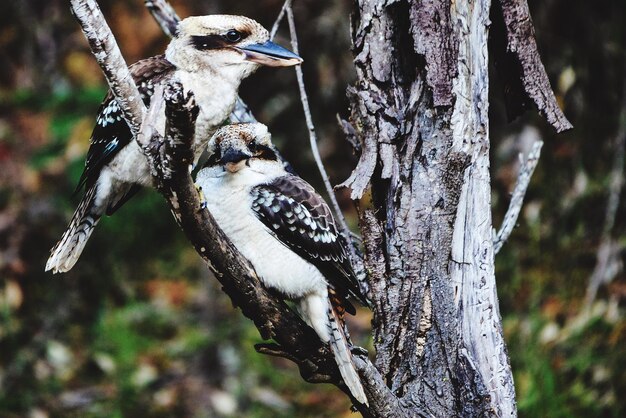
232,145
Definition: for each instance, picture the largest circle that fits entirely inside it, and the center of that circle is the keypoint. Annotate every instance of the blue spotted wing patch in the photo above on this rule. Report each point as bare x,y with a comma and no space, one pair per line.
111,133
301,220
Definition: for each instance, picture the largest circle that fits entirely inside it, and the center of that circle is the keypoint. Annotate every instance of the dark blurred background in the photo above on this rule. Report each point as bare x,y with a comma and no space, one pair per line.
139,328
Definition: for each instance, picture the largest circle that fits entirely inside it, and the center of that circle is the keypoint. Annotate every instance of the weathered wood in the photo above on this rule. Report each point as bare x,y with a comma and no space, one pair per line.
436,40
428,243
165,16
517,58
527,168
481,345
414,181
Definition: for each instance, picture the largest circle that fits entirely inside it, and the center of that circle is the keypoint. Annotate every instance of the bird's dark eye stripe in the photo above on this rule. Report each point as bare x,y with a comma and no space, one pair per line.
208,42
204,42
265,152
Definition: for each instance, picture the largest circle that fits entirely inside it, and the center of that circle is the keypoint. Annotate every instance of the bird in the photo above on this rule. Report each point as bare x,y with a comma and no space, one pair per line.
210,55
278,222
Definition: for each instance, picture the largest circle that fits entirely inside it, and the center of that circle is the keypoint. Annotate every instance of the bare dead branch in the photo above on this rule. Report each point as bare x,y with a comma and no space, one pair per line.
272,316
527,169
309,123
361,176
383,403
279,18
109,57
165,15
608,262
521,44
170,158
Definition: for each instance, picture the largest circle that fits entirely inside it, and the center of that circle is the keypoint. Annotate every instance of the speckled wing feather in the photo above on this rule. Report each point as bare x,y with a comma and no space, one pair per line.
111,132
302,220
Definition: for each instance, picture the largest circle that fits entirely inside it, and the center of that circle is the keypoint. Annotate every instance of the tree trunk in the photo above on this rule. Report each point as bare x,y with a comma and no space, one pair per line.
420,110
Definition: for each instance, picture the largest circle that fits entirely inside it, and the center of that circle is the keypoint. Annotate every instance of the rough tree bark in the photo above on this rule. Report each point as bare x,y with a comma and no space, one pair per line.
419,109
419,115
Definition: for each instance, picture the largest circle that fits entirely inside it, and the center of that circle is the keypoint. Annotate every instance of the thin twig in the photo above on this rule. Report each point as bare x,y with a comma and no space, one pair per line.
279,19
241,112
523,180
165,15
312,136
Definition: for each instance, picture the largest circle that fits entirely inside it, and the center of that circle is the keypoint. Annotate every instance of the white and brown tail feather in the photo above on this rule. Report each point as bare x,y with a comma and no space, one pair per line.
340,346
67,251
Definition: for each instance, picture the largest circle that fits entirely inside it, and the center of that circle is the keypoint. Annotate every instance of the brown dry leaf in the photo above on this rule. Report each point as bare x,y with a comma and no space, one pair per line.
552,307
31,180
78,142
32,128
13,296
169,293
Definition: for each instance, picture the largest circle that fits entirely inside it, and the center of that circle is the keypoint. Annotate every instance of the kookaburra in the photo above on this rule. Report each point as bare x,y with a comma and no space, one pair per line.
209,55
286,230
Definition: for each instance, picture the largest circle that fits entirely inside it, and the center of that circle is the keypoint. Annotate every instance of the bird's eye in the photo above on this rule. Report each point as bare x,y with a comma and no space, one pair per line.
252,146
233,36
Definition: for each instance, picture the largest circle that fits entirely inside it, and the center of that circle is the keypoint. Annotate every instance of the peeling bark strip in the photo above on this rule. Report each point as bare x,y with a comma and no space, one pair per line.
520,35
415,193
434,38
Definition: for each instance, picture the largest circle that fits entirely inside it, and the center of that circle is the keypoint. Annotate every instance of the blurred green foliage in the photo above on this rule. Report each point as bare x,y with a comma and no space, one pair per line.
139,328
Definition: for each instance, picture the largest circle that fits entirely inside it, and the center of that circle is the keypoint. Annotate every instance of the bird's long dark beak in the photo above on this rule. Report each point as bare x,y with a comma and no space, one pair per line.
234,156
270,54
